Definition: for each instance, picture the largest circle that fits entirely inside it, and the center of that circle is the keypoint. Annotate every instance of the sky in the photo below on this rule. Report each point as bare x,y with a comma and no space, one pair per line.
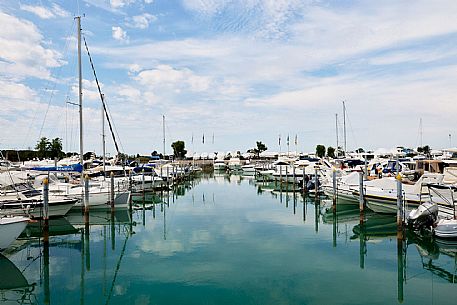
231,71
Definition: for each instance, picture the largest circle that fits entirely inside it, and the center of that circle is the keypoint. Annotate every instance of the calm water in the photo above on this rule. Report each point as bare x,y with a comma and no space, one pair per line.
222,240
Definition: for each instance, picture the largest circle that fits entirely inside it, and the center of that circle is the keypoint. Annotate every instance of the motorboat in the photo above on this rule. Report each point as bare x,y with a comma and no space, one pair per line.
219,165
18,197
446,228
10,228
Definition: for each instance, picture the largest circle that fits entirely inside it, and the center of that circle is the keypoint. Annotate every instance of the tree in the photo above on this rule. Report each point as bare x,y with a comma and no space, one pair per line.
320,150
178,149
424,150
56,148
43,146
359,150
330,152
259,149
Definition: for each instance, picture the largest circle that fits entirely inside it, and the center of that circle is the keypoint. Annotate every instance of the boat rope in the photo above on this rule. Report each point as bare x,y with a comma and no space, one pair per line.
103,100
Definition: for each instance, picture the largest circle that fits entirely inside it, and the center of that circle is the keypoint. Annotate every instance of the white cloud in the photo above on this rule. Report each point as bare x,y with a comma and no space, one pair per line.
141,21
120,3
59,11
22,53
119,33
45,13
40,11
165,75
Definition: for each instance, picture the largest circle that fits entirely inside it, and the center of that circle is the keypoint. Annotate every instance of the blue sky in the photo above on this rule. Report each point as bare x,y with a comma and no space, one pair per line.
241,70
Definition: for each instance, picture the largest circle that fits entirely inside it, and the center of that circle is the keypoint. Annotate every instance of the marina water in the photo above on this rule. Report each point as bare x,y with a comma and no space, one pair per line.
223,239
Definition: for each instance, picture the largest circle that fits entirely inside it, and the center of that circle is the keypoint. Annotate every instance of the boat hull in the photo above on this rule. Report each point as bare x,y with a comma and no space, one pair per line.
10,229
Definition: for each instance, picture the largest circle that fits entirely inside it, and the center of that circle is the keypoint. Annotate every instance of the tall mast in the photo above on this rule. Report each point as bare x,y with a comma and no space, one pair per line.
80,92
344,126
163,130
336,126
103,136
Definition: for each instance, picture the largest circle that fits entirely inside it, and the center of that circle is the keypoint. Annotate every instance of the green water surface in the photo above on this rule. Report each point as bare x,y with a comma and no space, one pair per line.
227,240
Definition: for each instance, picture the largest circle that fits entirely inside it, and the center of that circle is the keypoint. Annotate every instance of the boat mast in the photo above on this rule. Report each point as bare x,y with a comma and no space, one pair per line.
80,92
336,126
163,130
103,137
344,126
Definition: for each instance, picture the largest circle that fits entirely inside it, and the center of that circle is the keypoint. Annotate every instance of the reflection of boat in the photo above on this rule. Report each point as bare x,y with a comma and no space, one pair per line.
10,229
57,226
430,248
13,285
11,277
98,217
343,213
377,225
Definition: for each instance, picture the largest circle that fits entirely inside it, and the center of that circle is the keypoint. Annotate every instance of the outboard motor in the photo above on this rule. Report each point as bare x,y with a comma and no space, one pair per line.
425,215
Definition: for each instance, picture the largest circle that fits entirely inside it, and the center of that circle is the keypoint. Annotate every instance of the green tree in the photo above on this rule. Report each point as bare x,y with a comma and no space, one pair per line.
56,148
330,152
424,150
359,150
43,146
179,149
320,150
259,149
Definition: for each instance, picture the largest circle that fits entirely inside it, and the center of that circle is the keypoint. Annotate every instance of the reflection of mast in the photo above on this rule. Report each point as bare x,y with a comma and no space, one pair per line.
81,296
335,219
401,256
363,243
87,244
47,295
316,215
118,265
164,224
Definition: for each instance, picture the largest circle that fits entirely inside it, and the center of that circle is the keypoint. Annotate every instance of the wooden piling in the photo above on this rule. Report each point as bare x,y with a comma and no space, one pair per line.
361,193
112,190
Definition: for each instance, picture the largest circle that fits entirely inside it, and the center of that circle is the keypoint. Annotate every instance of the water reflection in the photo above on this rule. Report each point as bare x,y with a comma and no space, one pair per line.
223,239
14,287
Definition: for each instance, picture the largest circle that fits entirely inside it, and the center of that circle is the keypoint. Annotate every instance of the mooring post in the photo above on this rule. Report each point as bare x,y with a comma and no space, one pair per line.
365,170
399,203
293,177
304,183
361,193
86,194
287,181
334,187
142,182
45,199
280,174
112,190
316,182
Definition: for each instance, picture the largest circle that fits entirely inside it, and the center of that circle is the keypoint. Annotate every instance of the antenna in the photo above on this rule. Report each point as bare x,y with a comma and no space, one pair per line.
344,126
336,126
163,130
420,131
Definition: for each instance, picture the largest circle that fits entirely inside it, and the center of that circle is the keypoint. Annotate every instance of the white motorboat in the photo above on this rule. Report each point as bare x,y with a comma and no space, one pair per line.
219,165
248,169
446,228
20,198
234,164
10,228
381,194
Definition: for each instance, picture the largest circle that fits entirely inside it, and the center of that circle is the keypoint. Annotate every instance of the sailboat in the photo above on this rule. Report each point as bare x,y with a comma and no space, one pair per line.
98,192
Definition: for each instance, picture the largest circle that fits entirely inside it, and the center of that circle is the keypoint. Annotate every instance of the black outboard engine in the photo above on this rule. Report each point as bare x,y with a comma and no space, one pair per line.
424,216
